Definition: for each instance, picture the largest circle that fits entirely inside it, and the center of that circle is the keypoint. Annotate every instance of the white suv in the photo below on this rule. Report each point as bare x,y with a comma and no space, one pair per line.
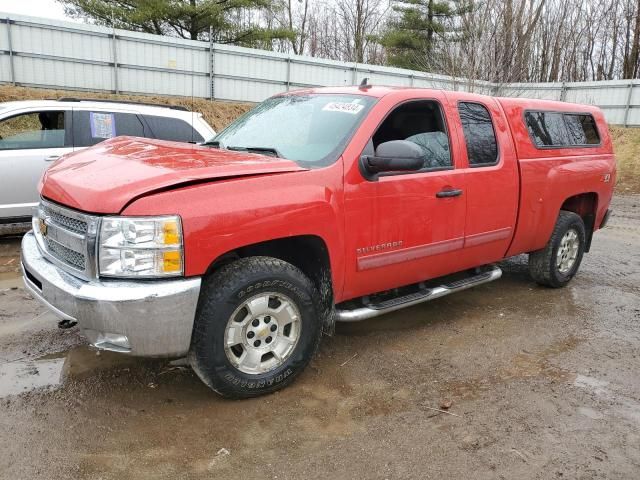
35,133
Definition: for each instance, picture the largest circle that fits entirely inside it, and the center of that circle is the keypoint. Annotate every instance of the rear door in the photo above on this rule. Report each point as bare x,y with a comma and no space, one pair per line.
491,173
29,141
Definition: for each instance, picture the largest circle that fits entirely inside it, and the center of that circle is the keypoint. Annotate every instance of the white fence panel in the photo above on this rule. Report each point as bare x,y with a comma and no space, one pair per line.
62,74
5,69
144,54
543,91
259,68
162,82
49,53
245,90
31,39
618,115
321,73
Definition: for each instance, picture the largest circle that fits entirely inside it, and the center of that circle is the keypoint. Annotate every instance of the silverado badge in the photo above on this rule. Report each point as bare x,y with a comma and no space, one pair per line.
377,248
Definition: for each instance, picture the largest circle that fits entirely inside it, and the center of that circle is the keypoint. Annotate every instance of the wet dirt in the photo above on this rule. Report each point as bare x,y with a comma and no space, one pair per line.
542,384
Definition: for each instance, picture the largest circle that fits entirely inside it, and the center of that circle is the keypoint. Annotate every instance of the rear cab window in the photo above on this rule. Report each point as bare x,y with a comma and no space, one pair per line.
561,129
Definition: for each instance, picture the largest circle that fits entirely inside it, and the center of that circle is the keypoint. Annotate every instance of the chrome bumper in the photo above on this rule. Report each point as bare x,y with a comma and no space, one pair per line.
144,318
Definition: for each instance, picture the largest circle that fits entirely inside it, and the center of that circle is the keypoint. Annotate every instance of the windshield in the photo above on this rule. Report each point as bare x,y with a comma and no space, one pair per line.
311,130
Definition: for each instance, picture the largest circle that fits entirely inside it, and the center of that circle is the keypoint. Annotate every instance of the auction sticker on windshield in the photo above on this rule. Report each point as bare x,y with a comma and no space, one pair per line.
353,108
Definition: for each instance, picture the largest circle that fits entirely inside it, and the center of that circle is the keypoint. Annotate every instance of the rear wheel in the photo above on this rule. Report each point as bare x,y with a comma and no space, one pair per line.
257,327
557,263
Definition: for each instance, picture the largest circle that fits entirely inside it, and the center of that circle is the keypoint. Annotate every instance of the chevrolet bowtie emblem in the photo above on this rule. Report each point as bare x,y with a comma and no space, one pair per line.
43,227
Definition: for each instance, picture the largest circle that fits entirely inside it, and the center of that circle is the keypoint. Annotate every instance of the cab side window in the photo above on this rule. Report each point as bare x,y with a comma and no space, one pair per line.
420,122
479,136
547,129
34,130
582,129
558,129
90,128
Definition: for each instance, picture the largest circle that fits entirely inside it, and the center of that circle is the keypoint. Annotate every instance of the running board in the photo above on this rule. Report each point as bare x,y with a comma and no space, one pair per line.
371,310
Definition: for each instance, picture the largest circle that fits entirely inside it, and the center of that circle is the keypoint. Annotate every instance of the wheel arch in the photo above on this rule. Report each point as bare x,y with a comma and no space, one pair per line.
586,206
309,253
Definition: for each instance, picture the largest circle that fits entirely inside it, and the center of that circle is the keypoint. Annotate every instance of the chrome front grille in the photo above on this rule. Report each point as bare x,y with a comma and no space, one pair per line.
74,259
70,223
67,238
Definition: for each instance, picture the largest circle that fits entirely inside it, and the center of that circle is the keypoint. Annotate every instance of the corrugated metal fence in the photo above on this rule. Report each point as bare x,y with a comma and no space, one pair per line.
48,53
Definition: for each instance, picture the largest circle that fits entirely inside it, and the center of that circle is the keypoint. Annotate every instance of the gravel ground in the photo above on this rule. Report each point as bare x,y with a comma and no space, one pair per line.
542,384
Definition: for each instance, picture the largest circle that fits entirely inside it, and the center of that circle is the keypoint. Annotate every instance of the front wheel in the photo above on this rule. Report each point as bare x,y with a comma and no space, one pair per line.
557,263
257,327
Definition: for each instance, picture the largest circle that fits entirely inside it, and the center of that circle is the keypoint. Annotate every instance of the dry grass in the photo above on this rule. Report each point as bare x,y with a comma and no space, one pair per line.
626,141
626,145
217,114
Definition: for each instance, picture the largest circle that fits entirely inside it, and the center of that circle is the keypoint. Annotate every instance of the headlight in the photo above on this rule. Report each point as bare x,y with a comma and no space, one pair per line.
140,247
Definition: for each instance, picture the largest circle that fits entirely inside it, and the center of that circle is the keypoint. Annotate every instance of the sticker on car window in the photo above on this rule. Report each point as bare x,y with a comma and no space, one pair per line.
352,108
103,125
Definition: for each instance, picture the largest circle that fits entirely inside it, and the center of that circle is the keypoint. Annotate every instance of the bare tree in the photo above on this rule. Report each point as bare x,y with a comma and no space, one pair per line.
294,16
358,21
505,41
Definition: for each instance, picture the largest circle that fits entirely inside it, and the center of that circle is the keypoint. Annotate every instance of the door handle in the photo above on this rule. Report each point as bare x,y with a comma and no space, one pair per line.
51,158
454,192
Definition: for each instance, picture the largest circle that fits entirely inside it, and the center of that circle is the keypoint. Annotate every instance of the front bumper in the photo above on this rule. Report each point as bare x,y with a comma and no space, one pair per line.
140,317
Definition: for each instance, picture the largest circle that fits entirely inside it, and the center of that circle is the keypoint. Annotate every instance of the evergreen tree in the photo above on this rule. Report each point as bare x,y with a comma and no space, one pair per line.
231,20
411,38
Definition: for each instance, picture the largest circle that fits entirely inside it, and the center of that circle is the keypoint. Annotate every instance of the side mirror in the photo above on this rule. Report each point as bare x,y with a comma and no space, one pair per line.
394,156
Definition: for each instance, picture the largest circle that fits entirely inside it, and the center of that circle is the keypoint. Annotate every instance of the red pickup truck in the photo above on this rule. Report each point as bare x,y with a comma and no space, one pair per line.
321,205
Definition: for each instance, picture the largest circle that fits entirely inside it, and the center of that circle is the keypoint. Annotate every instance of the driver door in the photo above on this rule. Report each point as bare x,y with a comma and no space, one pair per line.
402,228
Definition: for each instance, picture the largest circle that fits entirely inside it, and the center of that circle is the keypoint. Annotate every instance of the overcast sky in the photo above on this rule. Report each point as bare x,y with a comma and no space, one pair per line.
35,8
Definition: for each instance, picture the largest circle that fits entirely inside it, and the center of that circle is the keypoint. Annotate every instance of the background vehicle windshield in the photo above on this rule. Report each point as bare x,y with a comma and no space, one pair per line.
311,129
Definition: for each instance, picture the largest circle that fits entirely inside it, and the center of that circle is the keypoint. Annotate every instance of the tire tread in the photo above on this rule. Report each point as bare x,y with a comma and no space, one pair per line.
541,262
217,289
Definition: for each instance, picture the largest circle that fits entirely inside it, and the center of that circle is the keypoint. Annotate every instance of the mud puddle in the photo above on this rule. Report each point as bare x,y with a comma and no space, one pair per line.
49,372
22,376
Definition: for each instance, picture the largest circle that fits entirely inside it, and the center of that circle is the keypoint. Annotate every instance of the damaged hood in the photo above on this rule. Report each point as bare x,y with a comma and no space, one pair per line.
104,178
